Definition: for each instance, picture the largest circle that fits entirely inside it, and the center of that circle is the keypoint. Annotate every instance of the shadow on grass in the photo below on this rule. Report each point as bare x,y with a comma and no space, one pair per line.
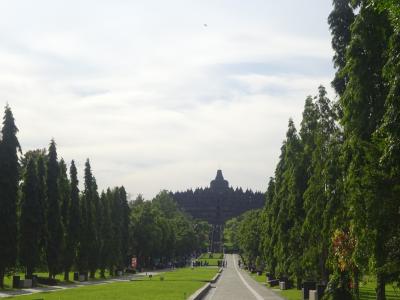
368,293
171,280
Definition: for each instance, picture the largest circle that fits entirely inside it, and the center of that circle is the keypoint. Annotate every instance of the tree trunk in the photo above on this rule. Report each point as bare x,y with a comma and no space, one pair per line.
29,272
380,287
356,285
66,275
1,279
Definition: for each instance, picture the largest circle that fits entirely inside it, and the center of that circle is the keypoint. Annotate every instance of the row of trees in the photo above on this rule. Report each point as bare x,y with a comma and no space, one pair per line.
61,227
47,223
333,209
162,233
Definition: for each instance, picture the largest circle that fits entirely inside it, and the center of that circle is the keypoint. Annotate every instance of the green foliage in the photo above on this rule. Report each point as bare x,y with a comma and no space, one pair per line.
175,285
248,236
105,258
231,239
90,197
340,21
54,242
72,221
342,178
9,176
30,219
162,232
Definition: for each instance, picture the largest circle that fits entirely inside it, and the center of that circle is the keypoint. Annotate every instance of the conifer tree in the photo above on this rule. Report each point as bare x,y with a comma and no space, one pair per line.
267,233
83,245
290,202
363,105
318,194
42,192
125,211
73,224
106,234
89,197
116,256
9,177
64,191
340,21
54,224
64,188
30,220
97,225
387,138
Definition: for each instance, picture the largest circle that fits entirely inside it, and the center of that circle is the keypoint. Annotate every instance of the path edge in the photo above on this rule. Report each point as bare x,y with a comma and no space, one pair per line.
201,292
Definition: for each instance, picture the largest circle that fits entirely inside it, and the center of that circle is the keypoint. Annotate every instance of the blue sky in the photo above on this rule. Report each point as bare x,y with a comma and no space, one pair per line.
153,97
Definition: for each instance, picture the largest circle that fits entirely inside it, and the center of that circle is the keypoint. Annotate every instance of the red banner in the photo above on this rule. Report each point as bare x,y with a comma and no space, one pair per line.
133,262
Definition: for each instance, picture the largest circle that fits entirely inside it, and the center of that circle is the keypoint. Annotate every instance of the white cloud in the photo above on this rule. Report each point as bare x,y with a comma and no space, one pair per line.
153,97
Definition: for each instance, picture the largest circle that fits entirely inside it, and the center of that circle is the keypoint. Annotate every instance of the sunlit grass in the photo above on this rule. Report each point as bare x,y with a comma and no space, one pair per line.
178,284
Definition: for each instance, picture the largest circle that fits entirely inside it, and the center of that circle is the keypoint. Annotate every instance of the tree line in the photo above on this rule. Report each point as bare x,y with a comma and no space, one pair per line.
48,224
332,210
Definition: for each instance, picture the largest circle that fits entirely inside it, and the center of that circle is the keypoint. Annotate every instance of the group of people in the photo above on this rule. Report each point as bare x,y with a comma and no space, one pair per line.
199,263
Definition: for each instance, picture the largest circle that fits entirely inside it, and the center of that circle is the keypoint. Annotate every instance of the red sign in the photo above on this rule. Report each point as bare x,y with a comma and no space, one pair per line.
133,262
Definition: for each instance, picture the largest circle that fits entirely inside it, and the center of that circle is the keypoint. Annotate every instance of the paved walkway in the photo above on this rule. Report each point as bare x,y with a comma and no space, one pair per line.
236,284
20,292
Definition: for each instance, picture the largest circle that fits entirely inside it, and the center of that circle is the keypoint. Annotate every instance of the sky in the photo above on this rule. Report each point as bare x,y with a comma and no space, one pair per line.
160,94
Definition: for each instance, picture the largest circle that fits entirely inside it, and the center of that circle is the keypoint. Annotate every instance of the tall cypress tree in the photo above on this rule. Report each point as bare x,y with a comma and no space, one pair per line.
388,139
125,211
290,203
97,225
64,188
30,220
9,177
42,192
340,21
73,223
363,105
106,234
65,199
318,193
54,223
116,228
89,199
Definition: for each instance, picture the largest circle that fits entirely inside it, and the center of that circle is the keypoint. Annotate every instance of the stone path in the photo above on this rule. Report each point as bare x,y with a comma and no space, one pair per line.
20,292
236,284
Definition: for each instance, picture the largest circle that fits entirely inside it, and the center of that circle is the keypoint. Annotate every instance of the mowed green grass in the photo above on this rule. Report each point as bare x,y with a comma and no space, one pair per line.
214,255
178,284
60,277
259,278
292,294
211,261
367,291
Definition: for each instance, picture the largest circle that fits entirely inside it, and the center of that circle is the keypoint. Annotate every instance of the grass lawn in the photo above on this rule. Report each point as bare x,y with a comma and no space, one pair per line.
211,261
60,277
259,278
367,290
178,284
292,294
214,255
